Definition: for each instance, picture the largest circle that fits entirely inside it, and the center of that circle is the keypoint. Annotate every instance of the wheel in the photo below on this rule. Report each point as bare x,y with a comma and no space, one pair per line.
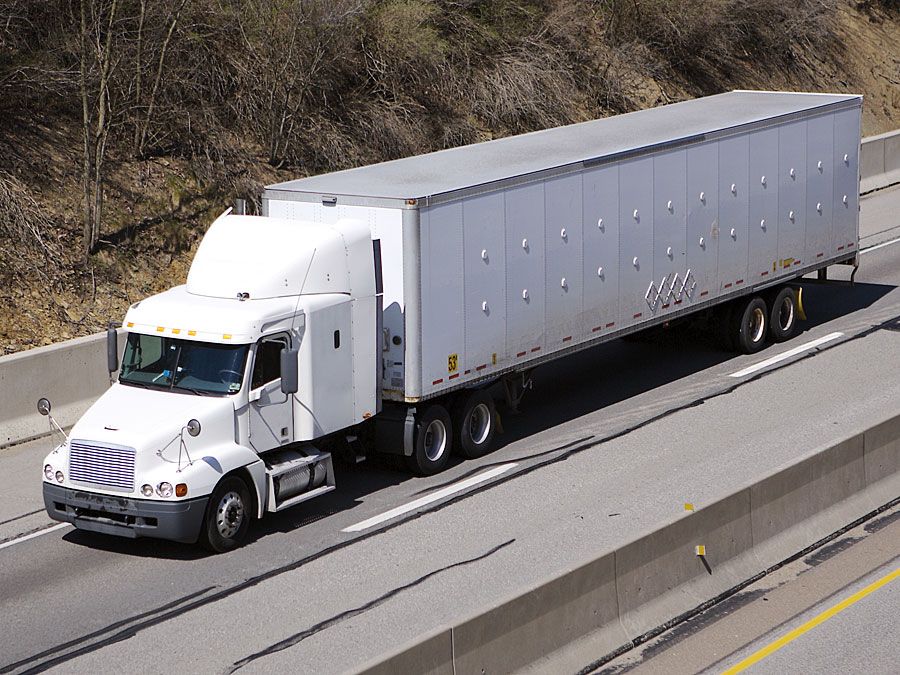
434,438
749,324
783,314
228,516
474,424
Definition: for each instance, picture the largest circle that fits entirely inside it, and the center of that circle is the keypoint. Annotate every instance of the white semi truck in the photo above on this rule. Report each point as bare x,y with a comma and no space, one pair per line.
380,308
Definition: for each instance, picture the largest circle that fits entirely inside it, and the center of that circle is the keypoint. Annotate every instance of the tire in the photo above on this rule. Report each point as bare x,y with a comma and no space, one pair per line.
783,314
228,516
474,424
749,325
434,439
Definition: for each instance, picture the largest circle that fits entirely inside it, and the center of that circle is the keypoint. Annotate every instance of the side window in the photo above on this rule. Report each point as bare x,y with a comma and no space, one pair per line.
267,366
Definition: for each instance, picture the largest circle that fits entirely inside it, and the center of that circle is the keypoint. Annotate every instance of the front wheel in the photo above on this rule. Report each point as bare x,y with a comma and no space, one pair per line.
434,438
228,516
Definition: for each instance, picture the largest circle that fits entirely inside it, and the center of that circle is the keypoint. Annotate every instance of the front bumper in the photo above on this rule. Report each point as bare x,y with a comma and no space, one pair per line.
126,517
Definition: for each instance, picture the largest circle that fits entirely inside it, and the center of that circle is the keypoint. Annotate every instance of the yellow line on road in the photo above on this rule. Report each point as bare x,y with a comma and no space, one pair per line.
812,623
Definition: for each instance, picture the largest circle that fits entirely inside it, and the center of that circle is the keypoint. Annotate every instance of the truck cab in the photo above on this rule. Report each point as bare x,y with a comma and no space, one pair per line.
228,386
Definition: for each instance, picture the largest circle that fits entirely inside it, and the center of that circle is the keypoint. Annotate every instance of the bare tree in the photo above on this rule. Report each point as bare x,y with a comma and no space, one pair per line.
98,21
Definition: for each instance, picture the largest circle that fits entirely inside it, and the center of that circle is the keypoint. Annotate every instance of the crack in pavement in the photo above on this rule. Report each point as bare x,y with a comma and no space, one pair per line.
296,638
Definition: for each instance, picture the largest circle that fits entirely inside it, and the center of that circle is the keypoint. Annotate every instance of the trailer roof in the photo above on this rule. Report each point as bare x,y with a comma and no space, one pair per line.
467,166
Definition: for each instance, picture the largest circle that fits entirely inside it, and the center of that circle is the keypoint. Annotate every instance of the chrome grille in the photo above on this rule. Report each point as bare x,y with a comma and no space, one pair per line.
103,465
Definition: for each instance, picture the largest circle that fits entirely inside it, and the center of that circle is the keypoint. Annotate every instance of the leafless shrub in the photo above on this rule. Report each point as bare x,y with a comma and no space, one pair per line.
27,231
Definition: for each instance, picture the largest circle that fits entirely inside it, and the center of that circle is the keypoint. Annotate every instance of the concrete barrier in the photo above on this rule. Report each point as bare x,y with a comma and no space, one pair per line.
879,161
71,374
622,597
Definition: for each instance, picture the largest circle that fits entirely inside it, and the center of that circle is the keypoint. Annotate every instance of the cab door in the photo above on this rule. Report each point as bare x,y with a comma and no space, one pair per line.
271,410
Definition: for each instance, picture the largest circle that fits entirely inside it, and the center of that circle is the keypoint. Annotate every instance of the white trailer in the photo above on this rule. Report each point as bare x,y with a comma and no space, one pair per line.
372,308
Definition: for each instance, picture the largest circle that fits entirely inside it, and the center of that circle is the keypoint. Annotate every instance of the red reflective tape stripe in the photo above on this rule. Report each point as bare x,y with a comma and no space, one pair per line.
678,302
819,255
481,367
520,354
638,315
840,248
438,381
535,349
738,282
796,262
702,293
665,307
611,324
764,274
566,339
453,377
596,328
850,244
467,372
728,285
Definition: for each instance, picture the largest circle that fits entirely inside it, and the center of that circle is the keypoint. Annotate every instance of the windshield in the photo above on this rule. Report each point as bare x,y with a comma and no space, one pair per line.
159,362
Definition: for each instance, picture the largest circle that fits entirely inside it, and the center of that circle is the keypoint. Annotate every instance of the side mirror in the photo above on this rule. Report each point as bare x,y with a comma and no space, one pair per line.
43,406
112,350
290,375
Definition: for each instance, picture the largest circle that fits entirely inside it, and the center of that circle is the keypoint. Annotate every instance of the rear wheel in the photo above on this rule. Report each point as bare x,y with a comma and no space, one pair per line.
434,438
474,424
749,324
228,516
783,314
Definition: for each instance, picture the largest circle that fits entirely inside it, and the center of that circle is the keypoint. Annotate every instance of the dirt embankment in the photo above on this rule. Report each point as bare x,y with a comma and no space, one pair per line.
492,69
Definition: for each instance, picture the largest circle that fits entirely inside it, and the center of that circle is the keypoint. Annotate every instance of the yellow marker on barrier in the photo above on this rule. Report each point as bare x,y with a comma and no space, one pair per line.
688,506
700,550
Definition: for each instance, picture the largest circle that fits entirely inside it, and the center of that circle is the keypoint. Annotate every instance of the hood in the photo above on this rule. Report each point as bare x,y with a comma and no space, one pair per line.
148,419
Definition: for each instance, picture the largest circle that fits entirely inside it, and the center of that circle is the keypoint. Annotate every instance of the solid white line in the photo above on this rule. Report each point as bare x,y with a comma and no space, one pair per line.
433,497
881,245
749,370
13,542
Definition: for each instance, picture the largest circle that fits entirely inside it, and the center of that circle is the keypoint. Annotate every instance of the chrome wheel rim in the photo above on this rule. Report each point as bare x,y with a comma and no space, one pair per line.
757,324
480,424
786,314
435,440
229,514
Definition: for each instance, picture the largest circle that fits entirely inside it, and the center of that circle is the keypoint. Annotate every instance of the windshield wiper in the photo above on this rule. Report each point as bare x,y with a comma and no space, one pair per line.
198,392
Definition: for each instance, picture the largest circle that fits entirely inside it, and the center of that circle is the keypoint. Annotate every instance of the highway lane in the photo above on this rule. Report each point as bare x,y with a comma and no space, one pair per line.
114,580
832,611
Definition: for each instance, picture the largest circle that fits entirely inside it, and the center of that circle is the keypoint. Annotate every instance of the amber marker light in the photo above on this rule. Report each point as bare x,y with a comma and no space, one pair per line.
181,490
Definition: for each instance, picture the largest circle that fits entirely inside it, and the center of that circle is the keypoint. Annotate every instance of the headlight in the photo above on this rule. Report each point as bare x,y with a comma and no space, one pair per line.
59,477
147,490
164,489
48,472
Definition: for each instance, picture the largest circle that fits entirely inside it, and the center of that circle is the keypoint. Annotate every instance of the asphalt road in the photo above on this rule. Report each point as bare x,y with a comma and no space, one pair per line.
832,611
612,442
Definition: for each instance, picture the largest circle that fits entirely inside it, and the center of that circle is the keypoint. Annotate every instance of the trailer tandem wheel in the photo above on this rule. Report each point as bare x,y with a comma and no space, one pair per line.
750,324
783,314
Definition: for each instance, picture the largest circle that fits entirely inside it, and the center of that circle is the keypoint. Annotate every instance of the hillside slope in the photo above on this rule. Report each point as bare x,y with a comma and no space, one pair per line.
206,103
